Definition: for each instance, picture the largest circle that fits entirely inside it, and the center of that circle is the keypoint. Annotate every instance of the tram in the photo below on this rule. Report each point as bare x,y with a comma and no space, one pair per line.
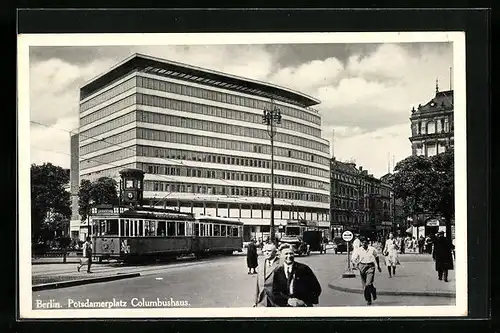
142,233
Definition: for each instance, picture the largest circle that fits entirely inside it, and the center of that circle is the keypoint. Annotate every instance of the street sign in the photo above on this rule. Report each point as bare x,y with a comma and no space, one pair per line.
347,236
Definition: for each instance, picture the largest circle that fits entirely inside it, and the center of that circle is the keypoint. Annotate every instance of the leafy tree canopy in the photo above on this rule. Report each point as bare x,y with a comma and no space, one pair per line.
426,184
50,202
101,191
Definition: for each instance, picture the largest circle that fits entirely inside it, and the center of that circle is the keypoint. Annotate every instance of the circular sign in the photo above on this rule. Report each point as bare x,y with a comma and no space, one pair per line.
347,236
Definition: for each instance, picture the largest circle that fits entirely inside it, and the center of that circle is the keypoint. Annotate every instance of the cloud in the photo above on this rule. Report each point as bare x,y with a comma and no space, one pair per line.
366,93
308,76
370,150
389,61
54,87
52,143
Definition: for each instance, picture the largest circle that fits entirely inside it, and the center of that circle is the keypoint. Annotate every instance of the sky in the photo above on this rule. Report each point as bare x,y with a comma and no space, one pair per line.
366,90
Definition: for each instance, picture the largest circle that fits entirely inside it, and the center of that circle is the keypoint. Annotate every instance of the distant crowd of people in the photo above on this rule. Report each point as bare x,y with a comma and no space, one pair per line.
281,281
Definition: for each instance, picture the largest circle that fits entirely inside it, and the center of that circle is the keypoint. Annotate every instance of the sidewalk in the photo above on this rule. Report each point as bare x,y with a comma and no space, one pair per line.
58,275
415,276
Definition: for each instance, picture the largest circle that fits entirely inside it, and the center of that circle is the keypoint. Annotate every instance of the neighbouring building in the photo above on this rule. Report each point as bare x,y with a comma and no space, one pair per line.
432,132
359,201
75,224
199,136
432,125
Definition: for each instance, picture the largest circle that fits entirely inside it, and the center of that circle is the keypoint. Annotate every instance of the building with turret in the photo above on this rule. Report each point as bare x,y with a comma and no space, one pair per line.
432,125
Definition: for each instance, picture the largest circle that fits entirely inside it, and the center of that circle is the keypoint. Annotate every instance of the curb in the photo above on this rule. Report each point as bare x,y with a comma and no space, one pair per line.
395,293
55,263
71,283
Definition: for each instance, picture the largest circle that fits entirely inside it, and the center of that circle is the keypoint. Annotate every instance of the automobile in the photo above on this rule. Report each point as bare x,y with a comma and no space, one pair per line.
340,245
298,245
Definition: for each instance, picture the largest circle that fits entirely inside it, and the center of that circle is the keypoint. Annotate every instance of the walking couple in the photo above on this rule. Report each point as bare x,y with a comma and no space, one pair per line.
285,282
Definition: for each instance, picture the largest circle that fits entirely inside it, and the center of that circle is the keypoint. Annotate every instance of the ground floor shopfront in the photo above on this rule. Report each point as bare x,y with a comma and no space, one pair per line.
262,232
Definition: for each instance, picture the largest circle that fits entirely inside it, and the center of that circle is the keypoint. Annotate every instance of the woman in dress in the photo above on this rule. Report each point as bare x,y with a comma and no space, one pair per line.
391,254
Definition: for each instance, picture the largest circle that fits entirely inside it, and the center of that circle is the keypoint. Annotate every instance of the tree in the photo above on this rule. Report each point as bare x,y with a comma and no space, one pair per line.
101,191
426,185
49,198
84,198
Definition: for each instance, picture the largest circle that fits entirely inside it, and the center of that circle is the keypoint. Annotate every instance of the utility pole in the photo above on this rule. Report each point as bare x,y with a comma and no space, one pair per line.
271,117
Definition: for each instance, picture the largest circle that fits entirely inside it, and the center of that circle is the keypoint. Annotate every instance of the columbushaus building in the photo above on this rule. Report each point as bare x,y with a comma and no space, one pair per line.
199,136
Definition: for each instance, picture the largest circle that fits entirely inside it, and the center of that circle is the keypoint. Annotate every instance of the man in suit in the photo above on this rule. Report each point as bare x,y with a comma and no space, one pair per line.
264,286
294,283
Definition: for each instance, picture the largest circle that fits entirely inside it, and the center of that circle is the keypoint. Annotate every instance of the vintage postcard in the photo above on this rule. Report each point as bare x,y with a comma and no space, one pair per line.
242,175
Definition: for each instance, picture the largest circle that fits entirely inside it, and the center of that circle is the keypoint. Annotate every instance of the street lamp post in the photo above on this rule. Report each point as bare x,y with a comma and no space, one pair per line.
271,117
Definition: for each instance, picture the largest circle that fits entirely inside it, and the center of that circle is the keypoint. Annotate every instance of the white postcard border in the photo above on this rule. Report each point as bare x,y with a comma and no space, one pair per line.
24,240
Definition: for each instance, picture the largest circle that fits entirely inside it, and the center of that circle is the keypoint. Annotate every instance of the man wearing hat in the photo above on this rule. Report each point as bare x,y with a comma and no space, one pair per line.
442,255
365,258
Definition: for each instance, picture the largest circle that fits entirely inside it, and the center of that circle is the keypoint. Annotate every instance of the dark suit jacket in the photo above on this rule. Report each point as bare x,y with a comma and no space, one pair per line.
305,286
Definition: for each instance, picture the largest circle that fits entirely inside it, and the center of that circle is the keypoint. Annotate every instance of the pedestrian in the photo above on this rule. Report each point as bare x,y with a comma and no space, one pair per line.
390,251
252,257
264,287
294,283
356,243
428,244
421,243
365,259
442,255
87,255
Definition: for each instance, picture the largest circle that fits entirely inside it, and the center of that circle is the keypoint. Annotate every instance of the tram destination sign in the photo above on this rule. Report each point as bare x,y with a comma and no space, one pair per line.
104,211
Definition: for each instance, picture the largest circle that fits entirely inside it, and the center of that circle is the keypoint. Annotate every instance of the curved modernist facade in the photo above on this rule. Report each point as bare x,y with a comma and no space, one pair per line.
198,135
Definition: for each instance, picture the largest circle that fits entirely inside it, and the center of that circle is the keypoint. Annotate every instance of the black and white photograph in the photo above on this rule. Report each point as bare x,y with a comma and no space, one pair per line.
241,175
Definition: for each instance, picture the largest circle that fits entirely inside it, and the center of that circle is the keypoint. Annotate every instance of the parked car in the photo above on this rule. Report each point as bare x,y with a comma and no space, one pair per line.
299,246
340,245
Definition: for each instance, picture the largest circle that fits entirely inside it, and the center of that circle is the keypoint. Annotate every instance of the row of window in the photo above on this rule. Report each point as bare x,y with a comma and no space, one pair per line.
134,228
198,140
108,142
108,158
177,154
108,94
442,125
180,89
432,149
346,204
215,127
344,190
343,218
346,178
108,110
170,187
110,125
219,84
208,110
184,171
111,172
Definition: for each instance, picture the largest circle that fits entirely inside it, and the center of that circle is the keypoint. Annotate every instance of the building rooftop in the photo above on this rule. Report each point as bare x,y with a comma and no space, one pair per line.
442,100
158,66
